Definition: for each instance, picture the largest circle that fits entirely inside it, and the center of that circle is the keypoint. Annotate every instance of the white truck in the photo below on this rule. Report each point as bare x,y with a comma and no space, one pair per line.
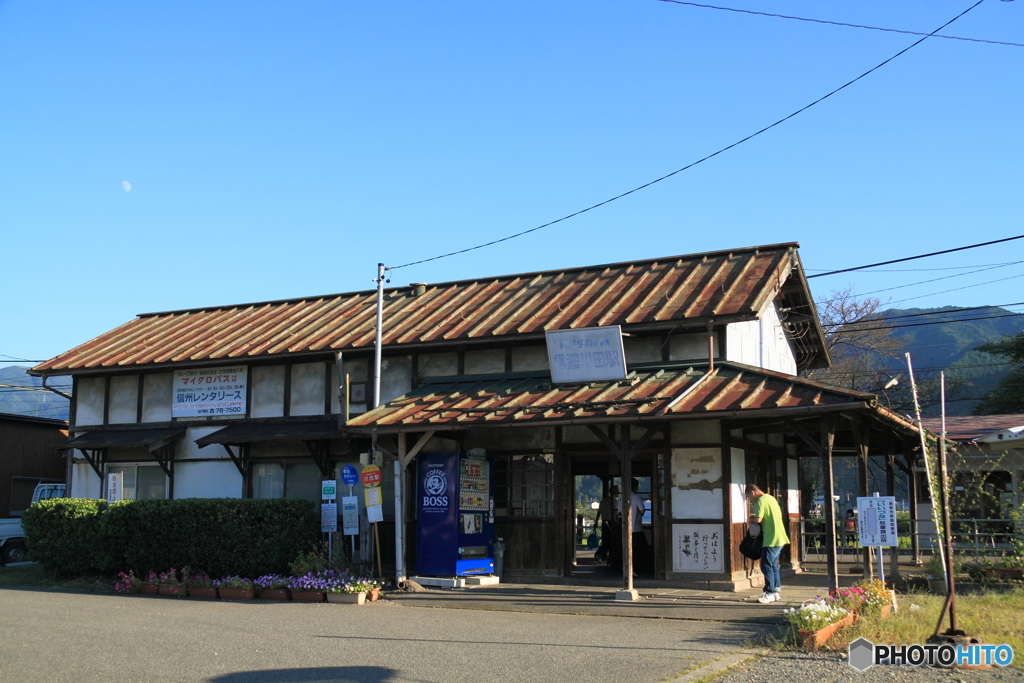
12,538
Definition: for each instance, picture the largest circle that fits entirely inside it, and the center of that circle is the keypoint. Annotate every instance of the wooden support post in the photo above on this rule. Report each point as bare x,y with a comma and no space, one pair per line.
626,491
890,490
828,436
860,441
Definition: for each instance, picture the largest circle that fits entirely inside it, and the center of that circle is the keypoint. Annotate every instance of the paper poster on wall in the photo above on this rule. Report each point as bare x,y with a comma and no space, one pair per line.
375,513
115,482
697,548
209,391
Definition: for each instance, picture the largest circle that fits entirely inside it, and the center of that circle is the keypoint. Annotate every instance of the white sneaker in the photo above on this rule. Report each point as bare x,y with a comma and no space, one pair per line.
767,597
778,596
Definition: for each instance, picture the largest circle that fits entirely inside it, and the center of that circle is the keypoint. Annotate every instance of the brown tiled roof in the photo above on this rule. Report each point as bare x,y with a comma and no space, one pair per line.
971,427
657,394
658,293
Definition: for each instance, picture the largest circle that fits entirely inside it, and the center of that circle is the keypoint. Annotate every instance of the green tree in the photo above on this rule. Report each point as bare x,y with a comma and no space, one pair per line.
1008,397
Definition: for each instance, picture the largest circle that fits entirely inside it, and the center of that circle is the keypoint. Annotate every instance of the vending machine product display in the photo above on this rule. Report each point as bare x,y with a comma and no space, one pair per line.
455,515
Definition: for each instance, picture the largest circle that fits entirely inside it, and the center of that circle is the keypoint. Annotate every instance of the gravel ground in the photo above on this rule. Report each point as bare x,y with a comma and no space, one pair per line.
831,667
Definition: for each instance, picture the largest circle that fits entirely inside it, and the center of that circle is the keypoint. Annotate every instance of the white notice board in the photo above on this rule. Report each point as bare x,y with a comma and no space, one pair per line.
586,355
697,548
876,521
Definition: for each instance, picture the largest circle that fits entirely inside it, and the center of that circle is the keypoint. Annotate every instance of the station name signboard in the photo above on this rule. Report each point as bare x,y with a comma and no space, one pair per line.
209,391
586,355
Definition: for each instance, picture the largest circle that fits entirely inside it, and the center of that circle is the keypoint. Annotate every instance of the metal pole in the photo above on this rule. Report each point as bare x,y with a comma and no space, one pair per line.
379,340
400,511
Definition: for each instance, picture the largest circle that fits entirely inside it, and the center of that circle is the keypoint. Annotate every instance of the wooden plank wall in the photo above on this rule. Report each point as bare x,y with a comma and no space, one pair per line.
27,449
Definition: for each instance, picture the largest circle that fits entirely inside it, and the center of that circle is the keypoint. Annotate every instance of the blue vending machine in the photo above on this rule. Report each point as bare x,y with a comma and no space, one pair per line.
455,515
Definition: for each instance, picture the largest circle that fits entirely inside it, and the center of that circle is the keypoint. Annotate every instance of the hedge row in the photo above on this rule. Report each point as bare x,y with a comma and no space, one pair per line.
222,536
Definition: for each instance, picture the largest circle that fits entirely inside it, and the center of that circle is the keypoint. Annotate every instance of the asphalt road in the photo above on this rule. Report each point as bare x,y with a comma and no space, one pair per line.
58,636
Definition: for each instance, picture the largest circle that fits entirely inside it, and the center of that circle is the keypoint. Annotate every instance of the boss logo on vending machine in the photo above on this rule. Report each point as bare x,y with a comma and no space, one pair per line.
435,488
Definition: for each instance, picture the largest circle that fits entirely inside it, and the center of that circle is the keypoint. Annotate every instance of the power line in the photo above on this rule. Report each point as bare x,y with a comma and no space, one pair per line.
699,161
883,317
937,279
919,270
933,322
956,289
911,258
838,23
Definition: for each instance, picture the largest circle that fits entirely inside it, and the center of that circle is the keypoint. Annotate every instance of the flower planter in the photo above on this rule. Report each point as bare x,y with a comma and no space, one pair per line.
205,592
175,590
374,595
236,593
274,594
347,598
149,588
811,640
307,596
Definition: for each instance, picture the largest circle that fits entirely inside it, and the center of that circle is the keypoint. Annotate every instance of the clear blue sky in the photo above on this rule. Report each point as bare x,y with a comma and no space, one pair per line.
278,150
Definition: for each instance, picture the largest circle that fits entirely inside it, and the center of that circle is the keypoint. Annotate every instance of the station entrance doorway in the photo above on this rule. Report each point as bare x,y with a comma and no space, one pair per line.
594,551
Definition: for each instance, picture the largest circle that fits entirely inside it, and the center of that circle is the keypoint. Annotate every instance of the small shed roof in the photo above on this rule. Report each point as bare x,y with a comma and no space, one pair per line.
658,393
664,293
973,427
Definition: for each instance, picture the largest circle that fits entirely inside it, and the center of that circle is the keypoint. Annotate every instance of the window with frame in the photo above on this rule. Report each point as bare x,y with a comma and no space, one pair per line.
141,482
524,485
286,480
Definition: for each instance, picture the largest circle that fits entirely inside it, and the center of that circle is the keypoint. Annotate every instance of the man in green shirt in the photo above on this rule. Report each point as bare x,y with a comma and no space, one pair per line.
768,514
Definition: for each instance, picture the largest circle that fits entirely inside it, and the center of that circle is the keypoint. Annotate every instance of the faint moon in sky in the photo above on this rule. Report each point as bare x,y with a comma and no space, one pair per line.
126,185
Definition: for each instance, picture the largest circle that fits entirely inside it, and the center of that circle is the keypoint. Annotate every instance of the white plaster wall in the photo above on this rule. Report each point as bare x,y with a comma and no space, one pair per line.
690,346
156,397
267,391
124,399
737,494
777,353
89,401
307,394
642,349
696,431
438,364
696,504
486,362
525,358
691,467
761,343
395,377
793,491
186,446
84,482
207,479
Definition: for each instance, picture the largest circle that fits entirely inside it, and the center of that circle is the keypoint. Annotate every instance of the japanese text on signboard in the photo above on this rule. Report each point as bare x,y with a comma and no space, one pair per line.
877,521
210,391
584,355
697,548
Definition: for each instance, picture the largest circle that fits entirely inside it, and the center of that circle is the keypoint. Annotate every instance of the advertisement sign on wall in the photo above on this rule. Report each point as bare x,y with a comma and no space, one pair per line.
210,391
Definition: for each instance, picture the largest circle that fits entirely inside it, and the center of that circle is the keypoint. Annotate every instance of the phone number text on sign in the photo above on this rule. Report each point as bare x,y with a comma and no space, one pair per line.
210,391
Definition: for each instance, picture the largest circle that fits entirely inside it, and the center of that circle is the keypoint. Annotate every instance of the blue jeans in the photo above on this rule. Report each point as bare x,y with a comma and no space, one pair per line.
770,569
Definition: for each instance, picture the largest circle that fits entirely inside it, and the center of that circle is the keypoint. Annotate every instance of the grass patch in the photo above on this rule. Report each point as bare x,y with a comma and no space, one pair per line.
34,576
994,617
